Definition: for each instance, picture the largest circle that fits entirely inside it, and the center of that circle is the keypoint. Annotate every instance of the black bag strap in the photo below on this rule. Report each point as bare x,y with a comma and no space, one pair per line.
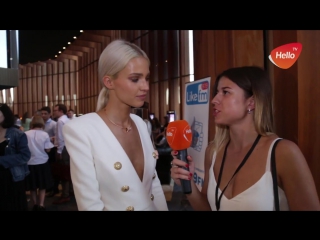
274,176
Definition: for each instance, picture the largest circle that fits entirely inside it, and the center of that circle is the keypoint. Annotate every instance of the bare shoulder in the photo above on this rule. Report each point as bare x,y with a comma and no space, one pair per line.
295,177
289,151
290,160
285,147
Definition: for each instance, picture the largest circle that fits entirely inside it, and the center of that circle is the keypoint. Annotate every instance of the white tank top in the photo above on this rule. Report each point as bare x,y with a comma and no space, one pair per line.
258,197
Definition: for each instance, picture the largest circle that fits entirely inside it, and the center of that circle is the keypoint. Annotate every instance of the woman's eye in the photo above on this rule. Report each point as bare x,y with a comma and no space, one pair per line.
225,92
135,79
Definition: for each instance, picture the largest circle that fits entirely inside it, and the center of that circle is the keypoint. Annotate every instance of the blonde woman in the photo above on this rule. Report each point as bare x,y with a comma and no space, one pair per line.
40,177
112,159
237,162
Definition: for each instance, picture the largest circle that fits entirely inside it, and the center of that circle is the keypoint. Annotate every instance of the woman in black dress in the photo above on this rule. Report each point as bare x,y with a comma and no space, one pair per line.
14,155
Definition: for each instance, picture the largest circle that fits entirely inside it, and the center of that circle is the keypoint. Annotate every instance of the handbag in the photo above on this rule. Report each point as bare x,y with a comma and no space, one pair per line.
274,176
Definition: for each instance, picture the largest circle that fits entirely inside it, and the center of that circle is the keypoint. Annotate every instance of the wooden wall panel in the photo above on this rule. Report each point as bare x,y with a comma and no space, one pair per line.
18,98
154,56
66,82
136,35
34,88
95,43
29,90
308,100
55,88
50,86
174,72
59,79
154,79
88,84
296,91
152,103
16,106
123,34
38,86
61,98
145,47
155,99
163,99
80,62
43,92
201,53
248,48
218,50
184,69
284,81
24,98
100,41
73,86
161,74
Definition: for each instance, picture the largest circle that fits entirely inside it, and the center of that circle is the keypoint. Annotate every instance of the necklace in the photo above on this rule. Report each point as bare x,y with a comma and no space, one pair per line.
127,129
218,199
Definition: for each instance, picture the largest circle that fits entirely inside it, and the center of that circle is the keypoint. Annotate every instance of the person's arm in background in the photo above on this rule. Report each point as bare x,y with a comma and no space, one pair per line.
53,131
21,157
48,145
59,138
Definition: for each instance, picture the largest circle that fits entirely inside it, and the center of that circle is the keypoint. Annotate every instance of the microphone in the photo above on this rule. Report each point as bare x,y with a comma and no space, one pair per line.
179,138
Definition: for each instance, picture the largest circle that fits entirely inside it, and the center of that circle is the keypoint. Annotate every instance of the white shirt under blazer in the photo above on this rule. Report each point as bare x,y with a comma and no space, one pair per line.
103,176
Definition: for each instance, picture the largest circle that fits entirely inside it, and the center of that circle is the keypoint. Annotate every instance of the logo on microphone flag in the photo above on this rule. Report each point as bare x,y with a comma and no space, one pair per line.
179,135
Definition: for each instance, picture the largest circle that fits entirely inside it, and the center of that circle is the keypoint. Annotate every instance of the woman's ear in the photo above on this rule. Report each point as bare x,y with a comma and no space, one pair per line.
108,83
251,103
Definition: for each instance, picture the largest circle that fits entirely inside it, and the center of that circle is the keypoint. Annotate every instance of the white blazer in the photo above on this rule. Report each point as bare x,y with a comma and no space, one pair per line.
103,176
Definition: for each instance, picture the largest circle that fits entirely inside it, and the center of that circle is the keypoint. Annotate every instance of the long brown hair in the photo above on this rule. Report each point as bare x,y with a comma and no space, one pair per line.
255,82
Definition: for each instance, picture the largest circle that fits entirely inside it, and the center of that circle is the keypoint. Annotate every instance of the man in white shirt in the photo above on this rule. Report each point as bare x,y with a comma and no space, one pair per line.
71,114
50,128
50,124
63,158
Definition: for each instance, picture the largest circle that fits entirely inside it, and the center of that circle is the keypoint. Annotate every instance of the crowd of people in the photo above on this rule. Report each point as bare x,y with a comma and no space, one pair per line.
29,157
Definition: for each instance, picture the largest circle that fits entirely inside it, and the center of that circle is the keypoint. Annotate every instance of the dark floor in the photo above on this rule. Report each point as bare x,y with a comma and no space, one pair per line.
178,202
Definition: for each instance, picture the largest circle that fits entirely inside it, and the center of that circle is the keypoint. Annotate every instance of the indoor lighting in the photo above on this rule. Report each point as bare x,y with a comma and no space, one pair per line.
191,63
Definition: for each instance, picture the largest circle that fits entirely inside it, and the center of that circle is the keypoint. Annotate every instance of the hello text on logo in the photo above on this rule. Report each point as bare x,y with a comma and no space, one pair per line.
286,55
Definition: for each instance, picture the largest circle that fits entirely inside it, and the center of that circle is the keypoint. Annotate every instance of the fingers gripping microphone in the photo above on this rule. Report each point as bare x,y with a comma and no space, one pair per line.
179,138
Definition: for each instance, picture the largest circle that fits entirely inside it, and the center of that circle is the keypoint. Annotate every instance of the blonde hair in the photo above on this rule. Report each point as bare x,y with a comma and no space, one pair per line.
112,60
255,82
37,121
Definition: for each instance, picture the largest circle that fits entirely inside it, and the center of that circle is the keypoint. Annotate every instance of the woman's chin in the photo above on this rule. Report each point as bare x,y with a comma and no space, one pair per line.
137,105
